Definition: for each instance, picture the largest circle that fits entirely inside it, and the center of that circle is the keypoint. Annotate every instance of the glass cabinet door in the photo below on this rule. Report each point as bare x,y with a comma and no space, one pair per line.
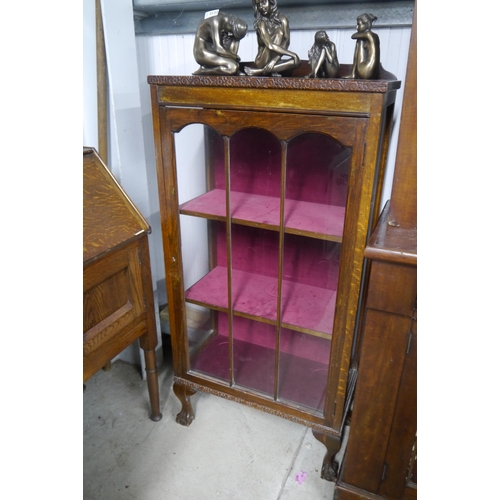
261,232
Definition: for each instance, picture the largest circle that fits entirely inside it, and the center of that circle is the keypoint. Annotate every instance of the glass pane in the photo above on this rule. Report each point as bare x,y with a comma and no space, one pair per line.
255,176
255,272
210,354
310,277
254,355
316,186
317,173
202,199
303,368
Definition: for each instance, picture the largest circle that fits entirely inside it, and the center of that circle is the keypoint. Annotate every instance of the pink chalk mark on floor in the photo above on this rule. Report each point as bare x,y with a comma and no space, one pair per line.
300,477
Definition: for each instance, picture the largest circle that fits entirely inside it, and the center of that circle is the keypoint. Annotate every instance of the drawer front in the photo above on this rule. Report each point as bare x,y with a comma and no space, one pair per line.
392,288
112,296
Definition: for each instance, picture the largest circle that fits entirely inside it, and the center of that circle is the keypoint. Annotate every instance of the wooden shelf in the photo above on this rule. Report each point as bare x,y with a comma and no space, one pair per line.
313,220
307,309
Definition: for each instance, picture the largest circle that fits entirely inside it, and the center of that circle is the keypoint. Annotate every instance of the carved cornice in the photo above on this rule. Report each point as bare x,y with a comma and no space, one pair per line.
293,83
317,427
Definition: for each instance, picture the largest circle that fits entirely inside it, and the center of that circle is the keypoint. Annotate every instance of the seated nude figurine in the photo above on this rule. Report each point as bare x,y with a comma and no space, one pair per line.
366,62
323,57
216,44
273,37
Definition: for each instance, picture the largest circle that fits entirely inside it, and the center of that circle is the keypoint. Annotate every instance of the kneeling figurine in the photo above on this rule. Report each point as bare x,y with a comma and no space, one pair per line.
216,44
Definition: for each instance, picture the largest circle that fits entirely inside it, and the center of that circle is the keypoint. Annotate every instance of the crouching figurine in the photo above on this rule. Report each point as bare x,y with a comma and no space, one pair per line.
366,63
216,44
323,57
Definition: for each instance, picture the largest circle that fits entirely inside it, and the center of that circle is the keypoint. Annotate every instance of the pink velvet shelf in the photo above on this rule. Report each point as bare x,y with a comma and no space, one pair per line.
301,217
305,308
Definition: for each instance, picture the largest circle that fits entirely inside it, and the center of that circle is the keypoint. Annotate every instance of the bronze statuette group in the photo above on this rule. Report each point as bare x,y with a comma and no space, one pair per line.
218,38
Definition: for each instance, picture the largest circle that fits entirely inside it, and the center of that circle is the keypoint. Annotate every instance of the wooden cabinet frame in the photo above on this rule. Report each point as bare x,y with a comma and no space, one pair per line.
355,113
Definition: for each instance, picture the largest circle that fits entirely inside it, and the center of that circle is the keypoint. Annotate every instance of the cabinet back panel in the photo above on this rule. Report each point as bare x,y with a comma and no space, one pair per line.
256,251
255,163
317,170
311,158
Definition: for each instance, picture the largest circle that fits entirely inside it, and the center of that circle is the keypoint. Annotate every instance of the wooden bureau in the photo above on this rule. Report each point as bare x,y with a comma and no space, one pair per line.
118,304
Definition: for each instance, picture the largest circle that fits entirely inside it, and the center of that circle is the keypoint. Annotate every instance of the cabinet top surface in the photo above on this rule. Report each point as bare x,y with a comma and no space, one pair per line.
109,216
295,81
394,244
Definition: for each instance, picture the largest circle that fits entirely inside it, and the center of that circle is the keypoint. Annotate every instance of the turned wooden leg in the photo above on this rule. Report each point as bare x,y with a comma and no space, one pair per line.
152,379
330,468
186,415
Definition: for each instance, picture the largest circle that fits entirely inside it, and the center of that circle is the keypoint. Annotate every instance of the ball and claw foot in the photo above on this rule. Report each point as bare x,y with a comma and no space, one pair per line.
186,415
330,471
330,467
184,418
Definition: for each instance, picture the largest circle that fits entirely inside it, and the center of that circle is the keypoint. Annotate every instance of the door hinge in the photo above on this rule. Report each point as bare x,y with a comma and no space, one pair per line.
384,472
144,300
364,155
410,335
408,347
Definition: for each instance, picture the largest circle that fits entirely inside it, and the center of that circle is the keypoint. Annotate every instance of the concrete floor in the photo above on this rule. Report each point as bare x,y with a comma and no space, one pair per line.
230,451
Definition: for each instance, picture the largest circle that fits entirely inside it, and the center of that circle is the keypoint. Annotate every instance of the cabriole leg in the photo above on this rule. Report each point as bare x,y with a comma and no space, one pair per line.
186,415
330,468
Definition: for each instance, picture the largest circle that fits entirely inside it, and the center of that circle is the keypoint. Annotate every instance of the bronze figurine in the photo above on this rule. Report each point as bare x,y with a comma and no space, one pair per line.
323,57
216,44
366,63
273,37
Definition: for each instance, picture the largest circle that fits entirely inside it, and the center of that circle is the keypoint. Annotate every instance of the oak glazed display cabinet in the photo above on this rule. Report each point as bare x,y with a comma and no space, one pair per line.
268,188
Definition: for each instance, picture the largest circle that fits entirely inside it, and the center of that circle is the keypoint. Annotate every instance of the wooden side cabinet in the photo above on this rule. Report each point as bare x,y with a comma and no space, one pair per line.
380,459
118,304
267,193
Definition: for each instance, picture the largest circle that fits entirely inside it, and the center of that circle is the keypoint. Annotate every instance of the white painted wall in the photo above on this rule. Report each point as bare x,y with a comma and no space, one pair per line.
126,150
90,136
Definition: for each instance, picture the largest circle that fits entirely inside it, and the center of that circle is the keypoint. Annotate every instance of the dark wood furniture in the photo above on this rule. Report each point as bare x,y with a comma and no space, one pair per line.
118,305
380,459
264,235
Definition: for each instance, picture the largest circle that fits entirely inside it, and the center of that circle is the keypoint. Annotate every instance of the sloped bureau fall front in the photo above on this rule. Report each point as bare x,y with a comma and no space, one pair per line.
268,188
